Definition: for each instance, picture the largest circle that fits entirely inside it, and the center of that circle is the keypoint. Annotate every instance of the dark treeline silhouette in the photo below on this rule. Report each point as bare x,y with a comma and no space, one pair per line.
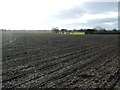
95,30
3,30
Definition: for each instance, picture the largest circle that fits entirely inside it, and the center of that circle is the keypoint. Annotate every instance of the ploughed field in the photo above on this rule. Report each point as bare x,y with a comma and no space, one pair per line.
43,60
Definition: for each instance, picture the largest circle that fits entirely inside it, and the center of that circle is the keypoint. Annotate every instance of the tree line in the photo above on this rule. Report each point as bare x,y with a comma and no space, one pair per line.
95,30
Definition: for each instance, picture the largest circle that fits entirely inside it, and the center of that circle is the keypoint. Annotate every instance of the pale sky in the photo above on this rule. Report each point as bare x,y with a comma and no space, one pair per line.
69,14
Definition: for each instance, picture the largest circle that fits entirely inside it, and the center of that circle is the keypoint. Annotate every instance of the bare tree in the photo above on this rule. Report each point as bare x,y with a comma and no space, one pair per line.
55,30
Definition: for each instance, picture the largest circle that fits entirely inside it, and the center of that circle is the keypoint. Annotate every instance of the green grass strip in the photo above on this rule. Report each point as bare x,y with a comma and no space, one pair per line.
75,33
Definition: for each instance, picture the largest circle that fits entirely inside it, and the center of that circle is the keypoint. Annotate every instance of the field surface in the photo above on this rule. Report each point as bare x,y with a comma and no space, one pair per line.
44,60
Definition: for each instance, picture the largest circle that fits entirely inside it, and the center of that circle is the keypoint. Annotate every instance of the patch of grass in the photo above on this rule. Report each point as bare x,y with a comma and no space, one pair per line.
75,33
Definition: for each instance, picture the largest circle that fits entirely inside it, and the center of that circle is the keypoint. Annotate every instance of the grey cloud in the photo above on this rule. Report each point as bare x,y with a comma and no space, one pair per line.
101,7
103,20
88,7
93,23
75,12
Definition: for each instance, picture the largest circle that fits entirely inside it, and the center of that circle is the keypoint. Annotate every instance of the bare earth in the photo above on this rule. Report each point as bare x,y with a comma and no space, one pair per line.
43,60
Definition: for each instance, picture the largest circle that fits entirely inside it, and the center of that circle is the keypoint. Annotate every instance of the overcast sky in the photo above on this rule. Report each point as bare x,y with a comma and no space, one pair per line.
69,14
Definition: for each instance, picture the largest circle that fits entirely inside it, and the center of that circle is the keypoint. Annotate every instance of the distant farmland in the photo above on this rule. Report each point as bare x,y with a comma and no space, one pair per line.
43,60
